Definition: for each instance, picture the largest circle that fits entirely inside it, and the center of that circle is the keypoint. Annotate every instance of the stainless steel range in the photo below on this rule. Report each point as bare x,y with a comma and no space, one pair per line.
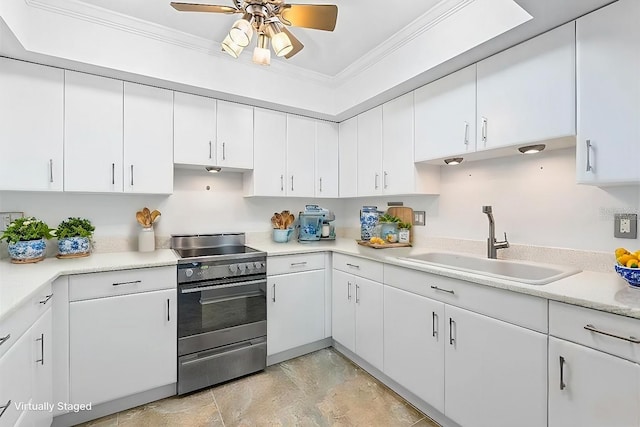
222,309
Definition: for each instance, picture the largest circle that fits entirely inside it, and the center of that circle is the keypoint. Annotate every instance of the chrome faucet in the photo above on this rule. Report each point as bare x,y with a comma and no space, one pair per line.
492,244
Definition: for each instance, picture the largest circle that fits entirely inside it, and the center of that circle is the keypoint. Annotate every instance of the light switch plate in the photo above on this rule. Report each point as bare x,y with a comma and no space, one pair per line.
419,217
625,226
7,218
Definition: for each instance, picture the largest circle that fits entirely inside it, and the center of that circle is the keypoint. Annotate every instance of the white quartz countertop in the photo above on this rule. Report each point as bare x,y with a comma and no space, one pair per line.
600,291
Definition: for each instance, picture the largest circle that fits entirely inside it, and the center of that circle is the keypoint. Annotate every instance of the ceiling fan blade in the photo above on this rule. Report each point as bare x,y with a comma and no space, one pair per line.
196,7
297,44
316,16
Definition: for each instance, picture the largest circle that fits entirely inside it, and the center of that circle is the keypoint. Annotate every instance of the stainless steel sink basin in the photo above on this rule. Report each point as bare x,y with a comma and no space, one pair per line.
519,271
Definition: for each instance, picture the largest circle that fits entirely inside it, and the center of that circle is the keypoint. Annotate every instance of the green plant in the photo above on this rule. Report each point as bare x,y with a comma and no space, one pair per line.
389,218
28,228
75,227
405,225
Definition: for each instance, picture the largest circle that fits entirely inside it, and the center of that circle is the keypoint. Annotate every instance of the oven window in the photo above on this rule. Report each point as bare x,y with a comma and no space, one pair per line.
215,309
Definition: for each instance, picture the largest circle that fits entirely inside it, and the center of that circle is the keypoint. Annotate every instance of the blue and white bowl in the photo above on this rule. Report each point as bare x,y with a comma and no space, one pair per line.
631,275
25,250
73,245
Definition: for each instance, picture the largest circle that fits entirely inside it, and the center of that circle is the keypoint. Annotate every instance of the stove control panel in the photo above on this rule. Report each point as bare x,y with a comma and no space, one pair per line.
198,271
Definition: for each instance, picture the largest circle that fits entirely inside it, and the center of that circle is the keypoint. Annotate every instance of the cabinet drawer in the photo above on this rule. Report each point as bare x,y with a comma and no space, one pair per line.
17,323
112,283
603,331
520,309
358,266
294,263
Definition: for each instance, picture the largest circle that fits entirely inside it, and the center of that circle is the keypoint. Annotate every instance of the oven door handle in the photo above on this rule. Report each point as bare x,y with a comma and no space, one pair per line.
225,351
228,285
217,300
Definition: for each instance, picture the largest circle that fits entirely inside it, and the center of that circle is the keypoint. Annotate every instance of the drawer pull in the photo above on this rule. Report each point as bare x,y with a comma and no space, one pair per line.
4,408
127,283
434,318
349,291
274,293
41,339
46,299
562,384
353,266
357,294
592,328
443,290
452,340
298,264
4,339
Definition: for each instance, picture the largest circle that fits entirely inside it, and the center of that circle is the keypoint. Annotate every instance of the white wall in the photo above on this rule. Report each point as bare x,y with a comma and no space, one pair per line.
190,209
535,200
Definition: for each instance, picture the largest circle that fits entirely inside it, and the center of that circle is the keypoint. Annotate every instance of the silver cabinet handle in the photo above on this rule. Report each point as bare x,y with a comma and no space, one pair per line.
630,339
273,298
168,310
443,290
46,299
4,408
321,184
50,170
210,152
452,340
353,266
298,264
484,130
589,167
434,319
291,182
281,182
466,133
132,175
384,179
4,339
224,152
41,339
113,173
127,283
357,294
349,291
376,181
562,384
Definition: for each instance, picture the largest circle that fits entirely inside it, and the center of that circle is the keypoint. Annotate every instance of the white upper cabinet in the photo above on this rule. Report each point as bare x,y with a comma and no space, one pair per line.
92,133
608,70
31,131
527,93
234,140
194,129
370,152
270,149
326,159
301,135
148,139
348,158
445,116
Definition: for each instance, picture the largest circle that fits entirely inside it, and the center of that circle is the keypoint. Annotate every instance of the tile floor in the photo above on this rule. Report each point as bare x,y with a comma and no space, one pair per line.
319,389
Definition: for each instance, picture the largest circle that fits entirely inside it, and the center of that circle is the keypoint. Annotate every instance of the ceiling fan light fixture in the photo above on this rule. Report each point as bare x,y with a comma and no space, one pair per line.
261,53
230,47
280,41
242,31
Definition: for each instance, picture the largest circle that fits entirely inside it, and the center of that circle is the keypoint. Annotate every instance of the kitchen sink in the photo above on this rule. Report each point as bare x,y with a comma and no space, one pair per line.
520,271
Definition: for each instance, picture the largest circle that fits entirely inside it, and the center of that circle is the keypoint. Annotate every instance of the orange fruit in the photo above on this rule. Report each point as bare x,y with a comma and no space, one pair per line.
620,252
632,263
624,259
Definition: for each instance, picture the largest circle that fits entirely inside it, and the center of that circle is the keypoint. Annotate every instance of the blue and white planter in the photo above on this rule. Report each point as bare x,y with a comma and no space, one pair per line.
27,250
68,246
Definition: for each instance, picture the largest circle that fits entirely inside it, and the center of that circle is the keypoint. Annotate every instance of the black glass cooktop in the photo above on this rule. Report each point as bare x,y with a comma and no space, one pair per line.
220,250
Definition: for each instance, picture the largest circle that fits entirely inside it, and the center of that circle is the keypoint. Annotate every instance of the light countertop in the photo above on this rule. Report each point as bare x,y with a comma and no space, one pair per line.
601,291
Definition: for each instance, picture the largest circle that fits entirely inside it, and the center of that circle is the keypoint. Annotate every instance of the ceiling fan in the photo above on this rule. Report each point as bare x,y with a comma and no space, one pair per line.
268,18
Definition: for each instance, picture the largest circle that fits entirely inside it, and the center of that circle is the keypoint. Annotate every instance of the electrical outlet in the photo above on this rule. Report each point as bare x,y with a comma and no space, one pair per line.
7,218
625,226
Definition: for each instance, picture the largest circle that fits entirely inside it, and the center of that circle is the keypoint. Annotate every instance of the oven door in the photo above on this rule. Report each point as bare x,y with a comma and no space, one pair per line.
217,313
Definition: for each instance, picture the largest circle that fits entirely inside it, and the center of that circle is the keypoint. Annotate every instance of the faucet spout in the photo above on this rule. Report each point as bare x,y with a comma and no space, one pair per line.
492,244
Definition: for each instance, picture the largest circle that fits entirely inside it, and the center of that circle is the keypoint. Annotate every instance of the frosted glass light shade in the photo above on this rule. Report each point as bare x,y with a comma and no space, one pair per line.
230,47
262,56
281,44
241,32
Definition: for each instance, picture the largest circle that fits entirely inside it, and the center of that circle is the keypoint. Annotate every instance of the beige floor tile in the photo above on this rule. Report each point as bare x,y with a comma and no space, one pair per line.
108,421
426,422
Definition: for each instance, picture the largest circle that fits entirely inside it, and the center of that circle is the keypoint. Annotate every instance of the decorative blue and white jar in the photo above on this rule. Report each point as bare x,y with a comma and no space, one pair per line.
27,251
368,221
74,246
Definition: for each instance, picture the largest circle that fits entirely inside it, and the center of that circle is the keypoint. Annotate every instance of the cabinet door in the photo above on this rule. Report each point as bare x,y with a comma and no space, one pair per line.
445,116
495,372
370,152
270,149
295,310
16,367
589,388
194,129
121,345
235,135
369,325
343,315
398,174
608,66
148,139
301,143
348,158
527,93
42,368
414,339
326,159
31,121
92,133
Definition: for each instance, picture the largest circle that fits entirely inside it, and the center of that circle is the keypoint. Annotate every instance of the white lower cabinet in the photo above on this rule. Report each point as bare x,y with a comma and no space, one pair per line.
121,345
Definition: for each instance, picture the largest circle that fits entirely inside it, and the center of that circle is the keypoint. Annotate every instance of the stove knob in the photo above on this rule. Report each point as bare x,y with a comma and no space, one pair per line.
188,272
242,267
249,266
233,268
258,265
